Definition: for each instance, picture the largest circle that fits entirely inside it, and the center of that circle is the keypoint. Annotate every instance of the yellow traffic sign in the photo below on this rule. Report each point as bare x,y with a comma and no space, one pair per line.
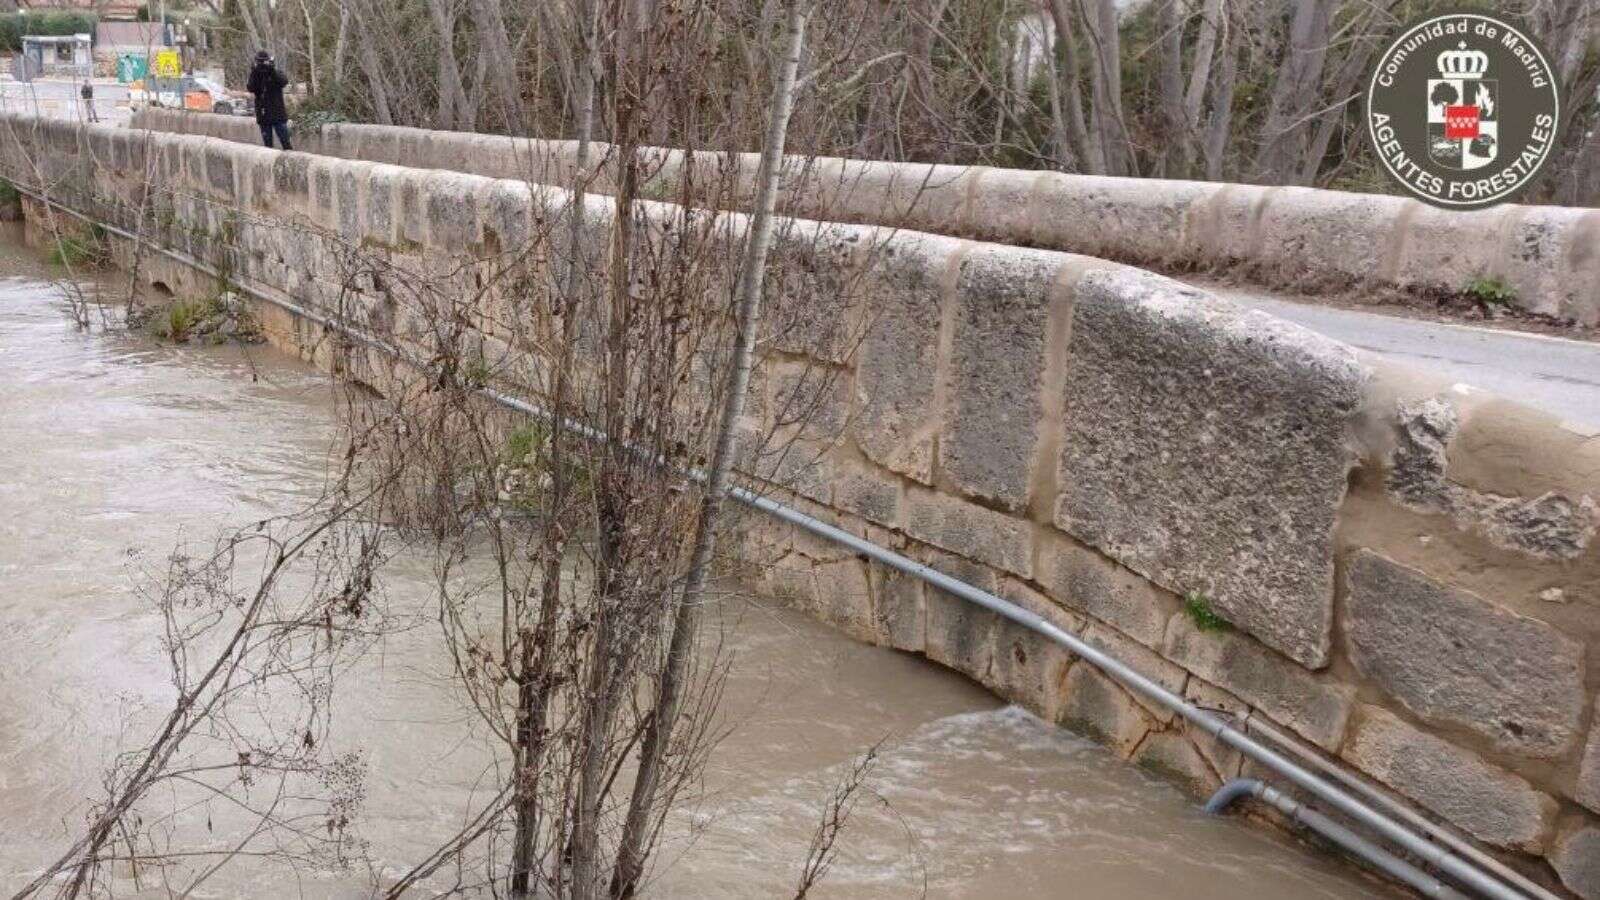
167,64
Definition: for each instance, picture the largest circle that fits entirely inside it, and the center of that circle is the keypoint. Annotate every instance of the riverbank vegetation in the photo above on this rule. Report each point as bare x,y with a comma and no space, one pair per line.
217,319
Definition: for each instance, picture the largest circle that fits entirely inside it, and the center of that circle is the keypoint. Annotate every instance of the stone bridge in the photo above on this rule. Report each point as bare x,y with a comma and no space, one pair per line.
1408,570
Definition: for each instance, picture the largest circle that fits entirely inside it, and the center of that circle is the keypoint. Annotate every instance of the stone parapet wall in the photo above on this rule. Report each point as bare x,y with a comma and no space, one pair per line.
1409,569
1290,237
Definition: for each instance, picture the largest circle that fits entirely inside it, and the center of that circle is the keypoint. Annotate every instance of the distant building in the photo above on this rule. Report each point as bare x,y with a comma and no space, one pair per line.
66,55
114,41
106,9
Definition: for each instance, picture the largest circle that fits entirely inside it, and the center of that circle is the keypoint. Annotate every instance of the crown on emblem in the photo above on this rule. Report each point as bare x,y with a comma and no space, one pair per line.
1463,63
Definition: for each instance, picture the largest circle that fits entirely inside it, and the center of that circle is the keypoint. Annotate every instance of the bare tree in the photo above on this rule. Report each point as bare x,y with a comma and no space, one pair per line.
747,305
1294,92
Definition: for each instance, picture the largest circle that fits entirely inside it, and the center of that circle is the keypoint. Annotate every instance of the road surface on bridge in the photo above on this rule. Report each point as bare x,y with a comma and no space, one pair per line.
1558,375
58,99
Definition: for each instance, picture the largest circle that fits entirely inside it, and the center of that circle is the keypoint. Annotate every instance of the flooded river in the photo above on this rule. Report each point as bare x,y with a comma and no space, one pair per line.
114,447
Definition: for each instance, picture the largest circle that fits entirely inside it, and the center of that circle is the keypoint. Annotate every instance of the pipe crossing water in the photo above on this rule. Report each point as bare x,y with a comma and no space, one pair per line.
1456,866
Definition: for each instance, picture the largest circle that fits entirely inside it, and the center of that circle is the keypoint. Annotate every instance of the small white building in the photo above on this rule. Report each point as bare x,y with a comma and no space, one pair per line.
67,55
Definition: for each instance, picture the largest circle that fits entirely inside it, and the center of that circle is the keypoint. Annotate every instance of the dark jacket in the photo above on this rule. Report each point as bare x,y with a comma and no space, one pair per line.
267,83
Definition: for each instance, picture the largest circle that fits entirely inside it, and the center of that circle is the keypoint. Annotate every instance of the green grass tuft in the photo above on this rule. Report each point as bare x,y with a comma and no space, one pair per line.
70,252
1491,290
527,452
179,321
522,443
1198,606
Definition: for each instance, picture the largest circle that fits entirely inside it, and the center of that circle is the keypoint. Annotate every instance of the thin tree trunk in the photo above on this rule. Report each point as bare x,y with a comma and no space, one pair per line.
1345,85
377,82
1006,97
1284,134
922,25
686,621
1105,82
311,48
1172,89
452,93
1067,158
1219,129
1205,49
533,700
341,43
627,63
252,29
1580,185
1064,61
491,22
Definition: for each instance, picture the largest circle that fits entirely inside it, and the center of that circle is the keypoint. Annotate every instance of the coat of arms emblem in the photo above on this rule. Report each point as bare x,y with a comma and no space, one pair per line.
1463,125
1449,91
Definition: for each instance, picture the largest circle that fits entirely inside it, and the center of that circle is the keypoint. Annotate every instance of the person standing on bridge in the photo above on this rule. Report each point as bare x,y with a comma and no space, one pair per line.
87,93
267,84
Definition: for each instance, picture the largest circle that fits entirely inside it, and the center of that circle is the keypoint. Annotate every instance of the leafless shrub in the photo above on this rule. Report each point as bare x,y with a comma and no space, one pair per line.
256,633
823,850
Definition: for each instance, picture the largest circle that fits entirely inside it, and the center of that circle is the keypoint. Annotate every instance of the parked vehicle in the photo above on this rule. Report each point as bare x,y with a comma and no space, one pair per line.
195,92
223,101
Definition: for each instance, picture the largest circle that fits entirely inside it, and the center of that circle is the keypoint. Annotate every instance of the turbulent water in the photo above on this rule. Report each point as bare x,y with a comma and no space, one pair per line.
113,448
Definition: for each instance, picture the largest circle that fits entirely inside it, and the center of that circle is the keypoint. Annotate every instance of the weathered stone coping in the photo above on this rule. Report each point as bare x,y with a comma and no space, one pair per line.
1284,237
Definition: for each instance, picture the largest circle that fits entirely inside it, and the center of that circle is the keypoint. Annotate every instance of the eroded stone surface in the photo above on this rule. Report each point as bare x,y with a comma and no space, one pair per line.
1170,755
1492,805
899,608
1206,448
452,214
1550,526
815,399
797,464
997,366
1115,218
842,597
813,290
1310,236
1588,790
860,489
1316,709
1444,249
1452,657
506,223
960,634
968,529
899,356
1576,858
1143,660
999,207
1029,669
1084,579
1535,268
1093,705
1225,760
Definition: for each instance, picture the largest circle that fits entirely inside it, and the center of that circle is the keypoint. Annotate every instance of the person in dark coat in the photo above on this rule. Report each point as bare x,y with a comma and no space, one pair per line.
87,93
267,84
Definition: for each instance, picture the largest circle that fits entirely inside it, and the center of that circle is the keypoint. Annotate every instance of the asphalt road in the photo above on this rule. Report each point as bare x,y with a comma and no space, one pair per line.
1554,374
58,98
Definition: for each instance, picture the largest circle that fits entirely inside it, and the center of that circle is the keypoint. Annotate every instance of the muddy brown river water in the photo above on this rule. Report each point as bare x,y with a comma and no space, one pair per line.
114,447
